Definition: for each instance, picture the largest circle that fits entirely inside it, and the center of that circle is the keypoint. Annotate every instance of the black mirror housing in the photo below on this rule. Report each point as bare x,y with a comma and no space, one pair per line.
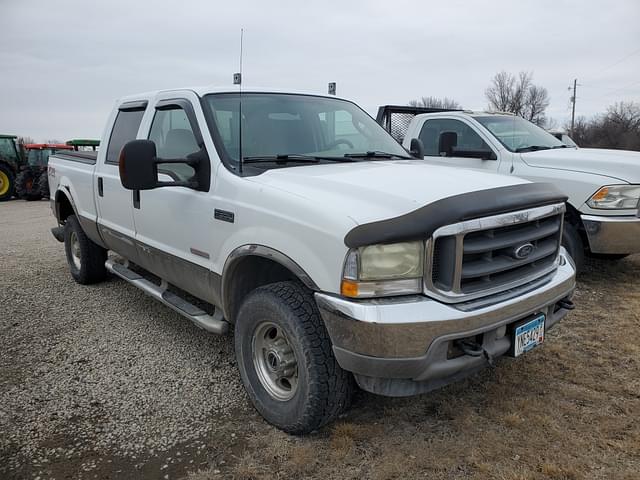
446,143
417,148
138,165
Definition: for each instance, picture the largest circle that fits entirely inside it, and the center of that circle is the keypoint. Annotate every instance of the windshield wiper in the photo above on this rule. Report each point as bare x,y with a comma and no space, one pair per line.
376,154
560,146
290,158
532,148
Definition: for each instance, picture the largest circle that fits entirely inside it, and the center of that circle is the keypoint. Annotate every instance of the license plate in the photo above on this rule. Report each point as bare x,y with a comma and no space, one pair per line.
528,335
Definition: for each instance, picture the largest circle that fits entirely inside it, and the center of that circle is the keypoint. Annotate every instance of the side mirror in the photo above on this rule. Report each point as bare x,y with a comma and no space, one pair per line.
446,142
417,148
138,165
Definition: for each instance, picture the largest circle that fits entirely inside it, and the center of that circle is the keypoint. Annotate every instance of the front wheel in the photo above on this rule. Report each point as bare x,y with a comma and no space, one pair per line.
85,258
286,361
572,242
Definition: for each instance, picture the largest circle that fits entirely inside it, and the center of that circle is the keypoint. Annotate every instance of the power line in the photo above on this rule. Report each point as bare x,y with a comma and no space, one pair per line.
617,62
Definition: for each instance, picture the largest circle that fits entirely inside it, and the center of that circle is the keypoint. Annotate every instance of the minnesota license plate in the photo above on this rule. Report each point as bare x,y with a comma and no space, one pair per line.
528,335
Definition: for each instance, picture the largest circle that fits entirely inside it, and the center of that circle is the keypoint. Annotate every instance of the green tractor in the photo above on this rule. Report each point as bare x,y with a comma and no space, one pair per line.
83,144
10,162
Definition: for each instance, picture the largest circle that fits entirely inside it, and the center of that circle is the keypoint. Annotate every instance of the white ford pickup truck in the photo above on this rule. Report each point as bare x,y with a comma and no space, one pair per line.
603,186
333,254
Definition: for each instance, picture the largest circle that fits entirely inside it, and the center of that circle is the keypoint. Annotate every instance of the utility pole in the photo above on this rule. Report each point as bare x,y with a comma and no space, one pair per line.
573,105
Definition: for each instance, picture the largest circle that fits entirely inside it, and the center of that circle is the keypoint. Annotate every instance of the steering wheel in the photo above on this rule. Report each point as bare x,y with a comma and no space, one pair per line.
340,141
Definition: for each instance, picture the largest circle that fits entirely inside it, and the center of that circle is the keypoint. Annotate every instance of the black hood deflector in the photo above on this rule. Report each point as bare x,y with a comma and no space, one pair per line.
421,223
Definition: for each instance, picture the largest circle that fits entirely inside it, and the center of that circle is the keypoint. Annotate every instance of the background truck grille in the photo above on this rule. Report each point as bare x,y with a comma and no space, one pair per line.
492,254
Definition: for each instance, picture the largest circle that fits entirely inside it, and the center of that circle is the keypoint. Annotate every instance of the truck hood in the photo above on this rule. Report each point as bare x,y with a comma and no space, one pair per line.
618,164
377,190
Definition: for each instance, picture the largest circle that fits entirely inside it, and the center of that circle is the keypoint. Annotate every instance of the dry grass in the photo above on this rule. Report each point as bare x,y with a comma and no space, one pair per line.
567,411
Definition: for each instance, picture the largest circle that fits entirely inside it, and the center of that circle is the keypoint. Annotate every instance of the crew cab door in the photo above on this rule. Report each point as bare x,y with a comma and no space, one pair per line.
454,142
174,225
115,216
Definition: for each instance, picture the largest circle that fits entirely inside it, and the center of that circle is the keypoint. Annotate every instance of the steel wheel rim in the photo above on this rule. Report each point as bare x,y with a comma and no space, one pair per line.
275,361
75,249
4,183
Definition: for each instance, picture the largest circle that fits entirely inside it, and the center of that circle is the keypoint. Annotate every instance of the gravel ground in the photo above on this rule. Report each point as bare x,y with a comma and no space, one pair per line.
92,376
104,382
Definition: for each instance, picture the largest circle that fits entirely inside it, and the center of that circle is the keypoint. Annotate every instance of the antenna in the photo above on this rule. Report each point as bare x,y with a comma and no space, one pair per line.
237,80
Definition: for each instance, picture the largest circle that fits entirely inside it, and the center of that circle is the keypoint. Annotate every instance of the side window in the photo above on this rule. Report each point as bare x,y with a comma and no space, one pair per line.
340,131
125,129
468,139
173,135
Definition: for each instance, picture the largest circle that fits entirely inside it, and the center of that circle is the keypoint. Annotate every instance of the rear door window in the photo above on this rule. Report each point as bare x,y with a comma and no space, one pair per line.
125,129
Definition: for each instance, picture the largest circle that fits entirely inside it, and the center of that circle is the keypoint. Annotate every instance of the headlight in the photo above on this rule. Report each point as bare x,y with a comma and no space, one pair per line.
616,197
383,270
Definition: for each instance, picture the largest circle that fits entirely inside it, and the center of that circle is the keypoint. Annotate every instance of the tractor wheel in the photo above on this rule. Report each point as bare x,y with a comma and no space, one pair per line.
26,186
43,184
7,182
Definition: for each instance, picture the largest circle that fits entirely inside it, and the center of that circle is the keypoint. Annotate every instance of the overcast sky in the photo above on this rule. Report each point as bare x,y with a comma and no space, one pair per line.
65,62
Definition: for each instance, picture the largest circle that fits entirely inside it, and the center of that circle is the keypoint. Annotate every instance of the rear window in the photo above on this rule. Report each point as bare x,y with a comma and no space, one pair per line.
124,130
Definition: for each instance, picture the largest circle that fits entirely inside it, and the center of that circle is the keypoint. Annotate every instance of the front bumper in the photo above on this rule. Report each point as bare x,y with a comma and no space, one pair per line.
399,346
612,234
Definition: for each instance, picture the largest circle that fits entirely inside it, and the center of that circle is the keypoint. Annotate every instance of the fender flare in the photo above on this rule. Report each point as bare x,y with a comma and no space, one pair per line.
255,250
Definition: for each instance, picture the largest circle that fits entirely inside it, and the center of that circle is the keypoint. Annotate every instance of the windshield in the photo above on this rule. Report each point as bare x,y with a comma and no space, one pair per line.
286,125
517,134
8,149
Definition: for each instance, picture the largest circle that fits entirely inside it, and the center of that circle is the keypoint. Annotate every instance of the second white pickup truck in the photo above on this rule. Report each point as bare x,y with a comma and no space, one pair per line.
332,253
603,186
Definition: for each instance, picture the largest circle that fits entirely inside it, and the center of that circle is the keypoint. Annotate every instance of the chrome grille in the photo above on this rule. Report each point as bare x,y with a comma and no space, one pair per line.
488,255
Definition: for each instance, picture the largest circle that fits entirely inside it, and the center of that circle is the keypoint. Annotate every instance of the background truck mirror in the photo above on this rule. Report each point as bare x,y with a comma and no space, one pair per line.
446,142
417,148
138,165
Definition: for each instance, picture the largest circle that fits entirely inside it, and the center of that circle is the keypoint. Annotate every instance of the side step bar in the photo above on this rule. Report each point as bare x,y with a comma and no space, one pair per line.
212,323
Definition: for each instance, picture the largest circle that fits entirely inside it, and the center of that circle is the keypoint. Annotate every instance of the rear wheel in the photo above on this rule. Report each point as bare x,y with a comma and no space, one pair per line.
26,185
43,185
85,258
573,243
286,361
7,182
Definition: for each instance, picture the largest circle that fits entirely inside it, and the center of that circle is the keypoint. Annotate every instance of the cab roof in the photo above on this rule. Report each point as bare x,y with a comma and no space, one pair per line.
42,146
83,142
205,90
3,135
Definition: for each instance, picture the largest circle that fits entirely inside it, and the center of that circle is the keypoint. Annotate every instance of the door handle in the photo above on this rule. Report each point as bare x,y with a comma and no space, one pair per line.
100,187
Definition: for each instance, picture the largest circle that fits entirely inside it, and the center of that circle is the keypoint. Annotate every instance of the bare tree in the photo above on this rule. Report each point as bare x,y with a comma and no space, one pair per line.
25,139
434,102
518,95
618,128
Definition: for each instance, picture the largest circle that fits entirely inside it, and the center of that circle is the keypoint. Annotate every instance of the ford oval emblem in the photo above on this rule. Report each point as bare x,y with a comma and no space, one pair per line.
523,251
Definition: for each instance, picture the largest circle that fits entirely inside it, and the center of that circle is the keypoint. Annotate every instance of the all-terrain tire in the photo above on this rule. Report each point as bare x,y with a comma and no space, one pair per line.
26,185
43,185
572,241
7,182
324,390
85,258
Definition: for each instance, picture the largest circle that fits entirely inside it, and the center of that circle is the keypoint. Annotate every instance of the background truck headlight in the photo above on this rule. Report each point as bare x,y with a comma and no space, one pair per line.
616,197
383,270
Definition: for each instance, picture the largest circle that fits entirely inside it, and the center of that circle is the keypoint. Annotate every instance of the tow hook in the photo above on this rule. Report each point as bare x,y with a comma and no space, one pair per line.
474,349
566,304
